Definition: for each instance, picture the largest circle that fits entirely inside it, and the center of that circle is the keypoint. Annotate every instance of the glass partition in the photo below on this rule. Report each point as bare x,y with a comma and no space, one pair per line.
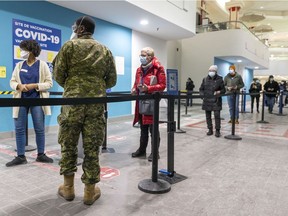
221,26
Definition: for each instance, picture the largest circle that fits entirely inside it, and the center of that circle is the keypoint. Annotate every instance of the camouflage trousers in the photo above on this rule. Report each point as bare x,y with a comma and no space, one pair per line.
88,120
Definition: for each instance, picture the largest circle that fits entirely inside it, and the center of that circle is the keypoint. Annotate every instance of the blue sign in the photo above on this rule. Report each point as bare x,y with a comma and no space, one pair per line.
48,38
172,81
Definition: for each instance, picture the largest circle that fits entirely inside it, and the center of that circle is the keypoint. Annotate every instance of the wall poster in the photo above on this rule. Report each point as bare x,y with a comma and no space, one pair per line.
48,38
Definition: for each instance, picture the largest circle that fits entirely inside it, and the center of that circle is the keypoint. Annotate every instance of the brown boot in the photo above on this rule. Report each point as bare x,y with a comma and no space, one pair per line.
91,194
67,189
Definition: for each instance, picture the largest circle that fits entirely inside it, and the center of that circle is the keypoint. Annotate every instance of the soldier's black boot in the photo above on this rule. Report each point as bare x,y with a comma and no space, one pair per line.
210,132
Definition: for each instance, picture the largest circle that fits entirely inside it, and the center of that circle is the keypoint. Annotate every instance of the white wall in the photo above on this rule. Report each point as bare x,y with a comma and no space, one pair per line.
198,52
276,67
172,11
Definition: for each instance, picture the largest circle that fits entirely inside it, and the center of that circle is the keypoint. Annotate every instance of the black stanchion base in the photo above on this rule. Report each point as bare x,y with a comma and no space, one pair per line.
29,148
278,114
172,179
222,118
233,137
108,150
186,115
159,187
264,122
180,131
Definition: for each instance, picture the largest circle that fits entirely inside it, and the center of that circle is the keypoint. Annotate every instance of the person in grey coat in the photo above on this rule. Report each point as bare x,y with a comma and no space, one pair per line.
211,88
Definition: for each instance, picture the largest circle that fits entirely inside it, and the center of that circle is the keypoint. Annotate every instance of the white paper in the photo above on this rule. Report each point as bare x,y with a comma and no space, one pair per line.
119,62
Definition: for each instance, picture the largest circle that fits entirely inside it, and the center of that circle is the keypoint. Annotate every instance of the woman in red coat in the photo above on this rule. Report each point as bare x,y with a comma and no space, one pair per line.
150,77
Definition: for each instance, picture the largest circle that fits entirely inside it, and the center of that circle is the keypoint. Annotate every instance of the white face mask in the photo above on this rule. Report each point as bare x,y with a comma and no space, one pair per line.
24,54
73,36
211,73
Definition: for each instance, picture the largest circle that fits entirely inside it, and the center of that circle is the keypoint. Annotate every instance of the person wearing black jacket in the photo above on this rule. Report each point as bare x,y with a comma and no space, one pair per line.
254,90
189,87
271,88
211,88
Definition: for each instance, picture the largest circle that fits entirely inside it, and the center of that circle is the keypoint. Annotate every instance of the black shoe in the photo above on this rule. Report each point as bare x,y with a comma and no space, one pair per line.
150,158
17,161
257,111
44,159
210,132
138,153
217,133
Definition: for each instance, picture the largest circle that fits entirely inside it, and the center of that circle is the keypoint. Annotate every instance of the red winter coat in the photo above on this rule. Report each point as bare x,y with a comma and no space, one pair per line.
158,70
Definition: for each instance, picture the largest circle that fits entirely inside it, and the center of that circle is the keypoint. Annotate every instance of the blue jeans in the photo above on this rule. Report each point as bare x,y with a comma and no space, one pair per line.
21,124
270,102
230,99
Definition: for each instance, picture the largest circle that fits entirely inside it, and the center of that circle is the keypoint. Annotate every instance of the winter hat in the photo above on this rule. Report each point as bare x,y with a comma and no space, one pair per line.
213,68
232,67
271,76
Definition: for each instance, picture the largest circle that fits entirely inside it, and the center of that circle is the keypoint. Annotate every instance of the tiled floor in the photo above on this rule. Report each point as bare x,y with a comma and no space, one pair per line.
224,177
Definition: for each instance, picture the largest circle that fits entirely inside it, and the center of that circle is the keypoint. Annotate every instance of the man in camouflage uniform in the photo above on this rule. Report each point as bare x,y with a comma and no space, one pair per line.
84,68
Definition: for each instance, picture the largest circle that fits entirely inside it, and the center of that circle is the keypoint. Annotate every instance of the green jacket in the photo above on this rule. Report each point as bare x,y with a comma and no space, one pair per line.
234,81
84,68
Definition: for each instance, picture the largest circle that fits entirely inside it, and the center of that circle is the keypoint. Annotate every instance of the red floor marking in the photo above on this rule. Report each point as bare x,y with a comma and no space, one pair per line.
194,124
8,152
261,130
286,134
105,173
108,173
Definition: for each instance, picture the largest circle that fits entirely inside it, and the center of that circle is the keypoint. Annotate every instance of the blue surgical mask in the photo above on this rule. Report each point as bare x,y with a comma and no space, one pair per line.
143,60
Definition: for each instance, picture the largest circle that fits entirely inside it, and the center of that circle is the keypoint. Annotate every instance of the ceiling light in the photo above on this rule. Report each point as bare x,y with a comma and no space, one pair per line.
263,28
252,17
261,7
144,22
256,67
239,60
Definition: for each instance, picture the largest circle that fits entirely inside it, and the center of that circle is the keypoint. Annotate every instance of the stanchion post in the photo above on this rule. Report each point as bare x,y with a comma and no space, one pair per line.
170,175
233,136
263,105
104,145
244,98
280,104
170,136
155,185
186,107
178,114
243,101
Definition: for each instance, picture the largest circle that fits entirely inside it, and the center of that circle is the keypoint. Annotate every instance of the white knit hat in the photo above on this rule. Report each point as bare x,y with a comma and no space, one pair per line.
213,68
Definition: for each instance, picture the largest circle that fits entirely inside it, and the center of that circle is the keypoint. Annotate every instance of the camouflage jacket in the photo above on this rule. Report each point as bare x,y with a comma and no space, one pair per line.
84,68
